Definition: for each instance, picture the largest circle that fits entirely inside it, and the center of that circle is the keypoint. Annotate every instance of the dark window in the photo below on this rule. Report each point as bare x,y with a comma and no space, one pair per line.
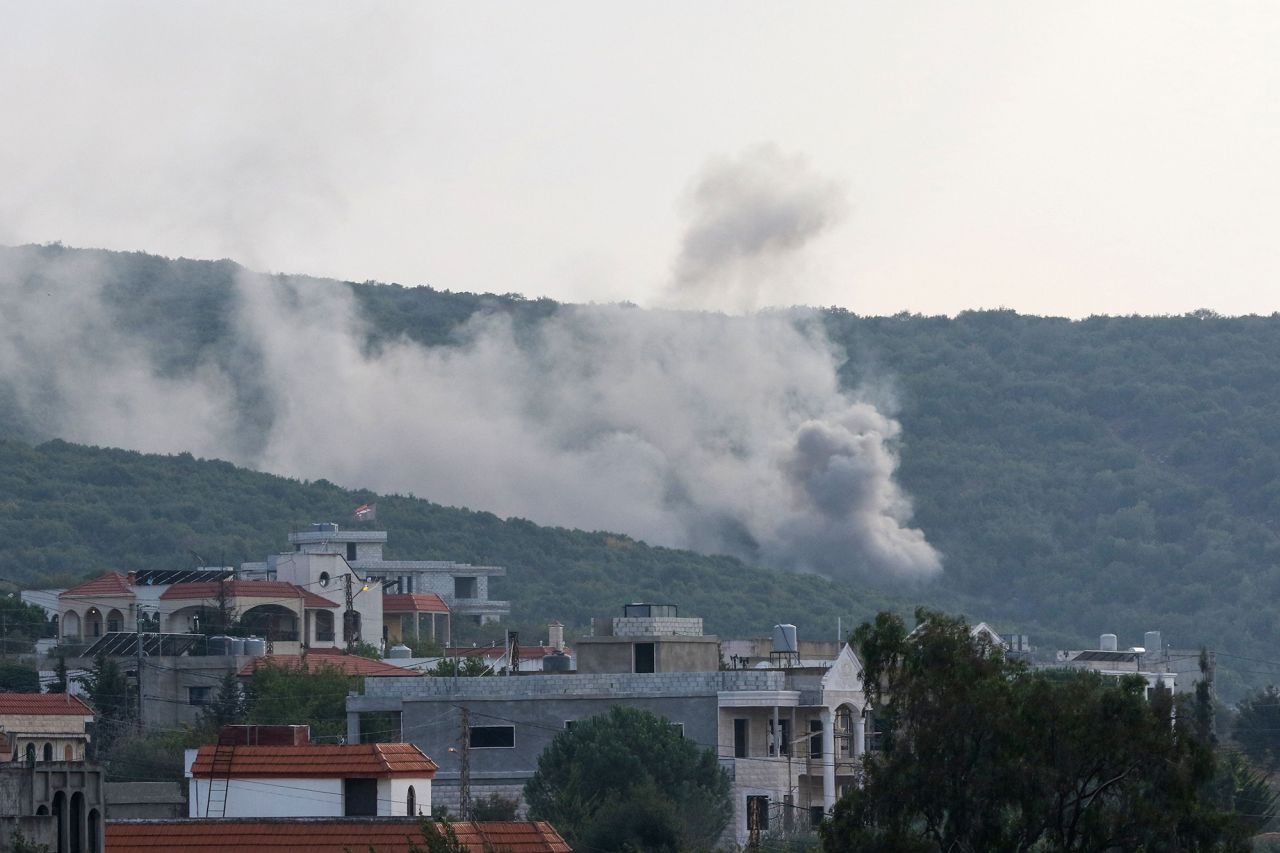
644,657
48,752
351,551
757,814
815,742
780,746
678,727
199,695
412,802
31,753
740,738
360,797
465,588
324,625
815,815
493,737
568,725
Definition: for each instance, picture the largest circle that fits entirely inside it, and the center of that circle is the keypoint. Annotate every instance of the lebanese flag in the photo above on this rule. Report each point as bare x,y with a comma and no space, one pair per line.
366,512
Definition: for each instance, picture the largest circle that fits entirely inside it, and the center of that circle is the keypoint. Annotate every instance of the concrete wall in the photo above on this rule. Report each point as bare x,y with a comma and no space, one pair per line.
393,797
146,800
671,653
272,798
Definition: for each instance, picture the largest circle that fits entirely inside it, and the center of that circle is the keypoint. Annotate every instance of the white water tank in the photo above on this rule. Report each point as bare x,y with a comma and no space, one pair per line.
784,639
1151,641
255,646
399,651
1107,643
237,645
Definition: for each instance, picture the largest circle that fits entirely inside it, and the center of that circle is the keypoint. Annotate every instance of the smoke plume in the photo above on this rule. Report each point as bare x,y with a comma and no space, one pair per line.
749,219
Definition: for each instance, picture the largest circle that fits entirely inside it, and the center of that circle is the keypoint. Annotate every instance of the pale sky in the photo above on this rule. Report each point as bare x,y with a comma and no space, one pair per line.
1064,158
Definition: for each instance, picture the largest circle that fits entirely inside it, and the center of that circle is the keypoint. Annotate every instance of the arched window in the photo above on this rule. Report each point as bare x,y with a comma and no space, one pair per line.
48,752
31,753
413,802
68,754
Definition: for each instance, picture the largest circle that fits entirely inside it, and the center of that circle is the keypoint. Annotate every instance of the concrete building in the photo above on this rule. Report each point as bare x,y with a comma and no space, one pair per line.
48,791
789,736
464,588
1173,669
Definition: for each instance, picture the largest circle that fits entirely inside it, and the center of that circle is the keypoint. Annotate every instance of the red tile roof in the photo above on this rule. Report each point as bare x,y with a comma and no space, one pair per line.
414,602
358,760
45,704
321,835
282,590
112,583
349,664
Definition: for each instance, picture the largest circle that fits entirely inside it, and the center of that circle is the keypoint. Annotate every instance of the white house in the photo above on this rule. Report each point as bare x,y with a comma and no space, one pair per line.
309,780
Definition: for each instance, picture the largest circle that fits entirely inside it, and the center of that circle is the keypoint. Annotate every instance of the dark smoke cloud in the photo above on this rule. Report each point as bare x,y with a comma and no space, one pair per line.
749,218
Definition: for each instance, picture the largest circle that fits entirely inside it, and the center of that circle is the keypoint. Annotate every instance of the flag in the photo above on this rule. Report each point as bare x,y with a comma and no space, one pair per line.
366,512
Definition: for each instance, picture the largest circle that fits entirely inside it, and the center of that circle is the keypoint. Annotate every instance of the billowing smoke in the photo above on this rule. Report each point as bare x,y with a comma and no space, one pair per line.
749,218
724,434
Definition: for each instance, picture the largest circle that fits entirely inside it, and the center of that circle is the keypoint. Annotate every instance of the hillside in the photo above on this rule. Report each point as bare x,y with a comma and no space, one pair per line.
1109,474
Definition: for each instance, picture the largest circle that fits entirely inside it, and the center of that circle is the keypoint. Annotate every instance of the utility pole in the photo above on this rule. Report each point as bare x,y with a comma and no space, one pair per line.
138,636
464,771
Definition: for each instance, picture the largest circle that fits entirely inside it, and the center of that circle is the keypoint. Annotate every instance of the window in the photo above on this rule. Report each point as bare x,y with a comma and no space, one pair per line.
568,725
815,742
782,745
199,695
324,626
324,579
411,802
351,551
757,814
679,727
465,588
31,753
815,815
67,753
644,657
360,797
48,752
740,729
493,737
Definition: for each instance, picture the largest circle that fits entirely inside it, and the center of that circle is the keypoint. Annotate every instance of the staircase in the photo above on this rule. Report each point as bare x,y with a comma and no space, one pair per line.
220,775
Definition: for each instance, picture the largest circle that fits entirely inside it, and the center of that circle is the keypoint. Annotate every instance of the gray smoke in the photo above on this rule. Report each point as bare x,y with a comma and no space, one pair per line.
723,434
749,218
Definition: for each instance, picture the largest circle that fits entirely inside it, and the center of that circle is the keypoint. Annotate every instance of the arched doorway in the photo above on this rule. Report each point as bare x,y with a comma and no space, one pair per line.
71,626
76,823
92,623
94,831
115,620
60,815
271,621
48,752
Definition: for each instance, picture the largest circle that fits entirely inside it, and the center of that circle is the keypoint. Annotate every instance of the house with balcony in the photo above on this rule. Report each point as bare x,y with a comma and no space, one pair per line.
462,587
789,732
49,791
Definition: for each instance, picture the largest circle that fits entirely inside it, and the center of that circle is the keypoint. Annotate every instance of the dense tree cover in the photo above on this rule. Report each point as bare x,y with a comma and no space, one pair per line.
21,624
108,692
315,696
628,780
981,754
1109,474
1257,728
18,678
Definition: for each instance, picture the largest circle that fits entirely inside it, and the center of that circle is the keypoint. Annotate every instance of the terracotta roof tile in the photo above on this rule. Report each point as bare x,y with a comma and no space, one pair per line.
320,835
414,602
112,583
44,704
349,664
359,760
282,590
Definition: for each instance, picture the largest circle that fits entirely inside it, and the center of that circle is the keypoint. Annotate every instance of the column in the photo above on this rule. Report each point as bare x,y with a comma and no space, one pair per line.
828,760
859,735
776,748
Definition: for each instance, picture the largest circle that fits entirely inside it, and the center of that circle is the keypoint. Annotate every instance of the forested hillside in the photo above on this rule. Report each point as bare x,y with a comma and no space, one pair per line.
1110,474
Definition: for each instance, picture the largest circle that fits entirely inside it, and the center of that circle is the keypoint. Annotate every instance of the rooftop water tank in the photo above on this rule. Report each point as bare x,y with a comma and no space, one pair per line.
784,639
218,645
255,646
1152,642
400,651
557,661
236,645
1107,643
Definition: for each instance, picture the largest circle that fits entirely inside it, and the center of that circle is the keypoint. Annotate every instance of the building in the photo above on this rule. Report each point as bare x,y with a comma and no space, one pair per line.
789,735
1172,669
275,771
464,588
48,790
323,835
413,616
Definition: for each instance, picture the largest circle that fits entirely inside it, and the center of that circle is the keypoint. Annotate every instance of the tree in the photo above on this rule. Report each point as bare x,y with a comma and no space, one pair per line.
109,694
280,695
628,779
982,754
229,705
470,667
16,678
1257,728
60,680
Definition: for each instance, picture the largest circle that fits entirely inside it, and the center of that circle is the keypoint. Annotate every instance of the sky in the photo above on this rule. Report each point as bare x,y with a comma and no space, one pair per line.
1071,159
